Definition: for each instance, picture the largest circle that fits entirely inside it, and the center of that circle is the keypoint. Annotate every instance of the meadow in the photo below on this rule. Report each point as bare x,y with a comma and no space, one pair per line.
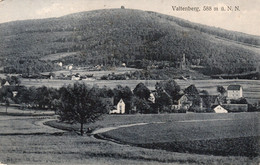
25,140
234,134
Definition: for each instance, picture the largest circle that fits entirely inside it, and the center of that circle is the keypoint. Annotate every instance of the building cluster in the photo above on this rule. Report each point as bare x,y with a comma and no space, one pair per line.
231,101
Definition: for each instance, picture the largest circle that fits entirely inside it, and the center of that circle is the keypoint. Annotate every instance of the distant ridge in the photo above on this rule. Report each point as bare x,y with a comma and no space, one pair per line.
126,35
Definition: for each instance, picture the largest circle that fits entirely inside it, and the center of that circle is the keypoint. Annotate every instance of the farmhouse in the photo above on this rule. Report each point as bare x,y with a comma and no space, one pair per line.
75,78
181,101
69,67
236,107
219,109
234,92
14,93
151,98
59,64
120,108
6,83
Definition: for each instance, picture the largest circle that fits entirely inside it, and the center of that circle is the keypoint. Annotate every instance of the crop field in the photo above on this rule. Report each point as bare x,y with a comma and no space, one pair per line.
234,134
97,74
251,88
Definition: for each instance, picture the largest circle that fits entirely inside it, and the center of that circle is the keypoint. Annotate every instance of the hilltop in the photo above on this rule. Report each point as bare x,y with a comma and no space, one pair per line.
113,36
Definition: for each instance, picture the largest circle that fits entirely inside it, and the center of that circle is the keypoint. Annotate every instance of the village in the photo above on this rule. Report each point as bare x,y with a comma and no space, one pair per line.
167,97
230,101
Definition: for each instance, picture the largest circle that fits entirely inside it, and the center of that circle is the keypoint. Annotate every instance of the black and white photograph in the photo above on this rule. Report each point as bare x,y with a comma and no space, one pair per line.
138,82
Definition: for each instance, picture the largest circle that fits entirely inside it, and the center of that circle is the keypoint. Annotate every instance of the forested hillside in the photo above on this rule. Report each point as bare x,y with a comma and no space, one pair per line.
110,37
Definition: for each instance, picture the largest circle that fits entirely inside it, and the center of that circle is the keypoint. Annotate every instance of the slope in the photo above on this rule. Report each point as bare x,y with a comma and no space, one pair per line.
124,35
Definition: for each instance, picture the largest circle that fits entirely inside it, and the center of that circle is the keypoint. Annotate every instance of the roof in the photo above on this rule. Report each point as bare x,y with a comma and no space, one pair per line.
120,101
236,107
214,106
234,87
178,97
6,83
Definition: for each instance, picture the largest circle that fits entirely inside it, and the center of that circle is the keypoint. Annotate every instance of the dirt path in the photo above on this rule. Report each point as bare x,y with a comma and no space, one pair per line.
106,129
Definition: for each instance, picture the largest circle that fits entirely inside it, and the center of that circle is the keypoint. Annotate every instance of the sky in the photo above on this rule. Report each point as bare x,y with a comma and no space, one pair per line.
246,20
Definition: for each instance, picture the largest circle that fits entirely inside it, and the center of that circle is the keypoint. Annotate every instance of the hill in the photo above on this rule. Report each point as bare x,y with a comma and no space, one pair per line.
113,36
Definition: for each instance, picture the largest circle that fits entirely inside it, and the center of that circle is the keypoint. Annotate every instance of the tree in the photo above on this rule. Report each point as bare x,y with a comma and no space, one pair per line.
15,80
142,105
169,86
221,90
141,91
191,90
5,96
163,101
80,104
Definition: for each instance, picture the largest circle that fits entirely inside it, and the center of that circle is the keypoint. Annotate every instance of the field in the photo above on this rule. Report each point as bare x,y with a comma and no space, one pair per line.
96,74
26,140
234,134
251,88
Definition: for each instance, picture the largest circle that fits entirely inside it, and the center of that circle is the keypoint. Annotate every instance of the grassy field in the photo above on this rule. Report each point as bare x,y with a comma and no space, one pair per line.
15,111
57,56
234,134
39,144
97,74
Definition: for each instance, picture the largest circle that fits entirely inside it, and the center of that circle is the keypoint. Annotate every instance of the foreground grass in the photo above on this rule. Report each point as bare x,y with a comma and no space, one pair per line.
236,135
69,148
175,135
74,149
117,120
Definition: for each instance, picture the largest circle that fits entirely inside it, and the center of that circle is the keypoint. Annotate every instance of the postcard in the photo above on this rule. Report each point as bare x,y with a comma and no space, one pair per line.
129,82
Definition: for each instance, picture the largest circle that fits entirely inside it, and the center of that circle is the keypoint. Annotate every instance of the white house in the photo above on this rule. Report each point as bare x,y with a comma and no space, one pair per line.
59,64
219,109
234,92
6,83
181,101
14,93
120,108
75,78
69,67
151,98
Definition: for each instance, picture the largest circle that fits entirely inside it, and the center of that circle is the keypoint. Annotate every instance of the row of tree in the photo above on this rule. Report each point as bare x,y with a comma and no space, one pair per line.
83,104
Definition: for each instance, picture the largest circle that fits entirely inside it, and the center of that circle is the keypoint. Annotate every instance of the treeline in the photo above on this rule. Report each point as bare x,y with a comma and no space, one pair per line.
234,36
28,66
50,98
166,95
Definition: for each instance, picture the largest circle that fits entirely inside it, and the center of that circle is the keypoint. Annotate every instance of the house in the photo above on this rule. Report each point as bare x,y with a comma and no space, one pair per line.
181,101
234,91
59,64
236,107
75,78
120,107
6,83
151,98
219,109
69,67
14,93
